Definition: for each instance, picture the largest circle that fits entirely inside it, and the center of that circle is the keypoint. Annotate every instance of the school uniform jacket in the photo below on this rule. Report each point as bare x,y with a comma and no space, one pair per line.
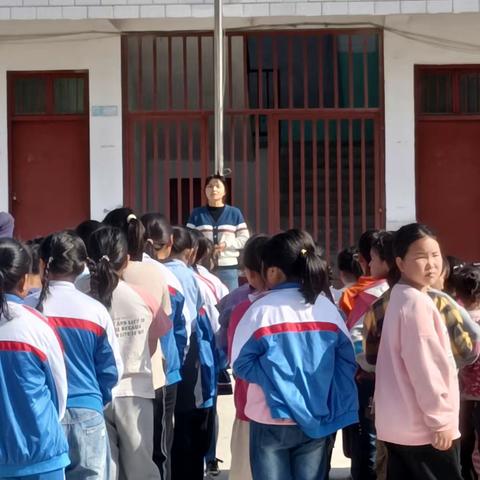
174,342
302,358
92,356
33,392
230,229
201,356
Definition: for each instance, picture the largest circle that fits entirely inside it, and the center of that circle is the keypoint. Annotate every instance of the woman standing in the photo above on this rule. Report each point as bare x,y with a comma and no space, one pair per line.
225,226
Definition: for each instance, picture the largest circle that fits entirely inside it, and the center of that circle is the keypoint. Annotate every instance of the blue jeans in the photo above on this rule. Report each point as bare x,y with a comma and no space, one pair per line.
229,276
89,450
284,452
54,475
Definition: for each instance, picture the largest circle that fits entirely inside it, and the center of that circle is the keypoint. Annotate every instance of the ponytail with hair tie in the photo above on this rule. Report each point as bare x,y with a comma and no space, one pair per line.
45,283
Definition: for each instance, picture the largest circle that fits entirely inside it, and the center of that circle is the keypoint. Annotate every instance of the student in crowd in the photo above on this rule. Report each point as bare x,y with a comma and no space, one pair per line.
362,437
92,355
224,225
7,223
158,245
87,227
349,270
35,275
196,391
143,275
139,323
212,290
293,348
416,394
467,288
240,440
33,382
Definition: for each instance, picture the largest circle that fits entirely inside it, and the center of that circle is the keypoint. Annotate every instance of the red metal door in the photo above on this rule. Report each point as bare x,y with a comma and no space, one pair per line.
49,151
448,178
447,145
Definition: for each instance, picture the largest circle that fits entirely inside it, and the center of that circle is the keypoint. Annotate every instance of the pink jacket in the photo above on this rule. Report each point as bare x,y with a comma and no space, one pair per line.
416,390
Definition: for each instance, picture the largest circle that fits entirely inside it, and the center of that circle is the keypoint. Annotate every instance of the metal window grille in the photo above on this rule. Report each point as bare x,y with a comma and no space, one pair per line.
303,127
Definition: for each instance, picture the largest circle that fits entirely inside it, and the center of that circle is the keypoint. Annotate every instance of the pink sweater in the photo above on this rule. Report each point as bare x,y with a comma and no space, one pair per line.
416,390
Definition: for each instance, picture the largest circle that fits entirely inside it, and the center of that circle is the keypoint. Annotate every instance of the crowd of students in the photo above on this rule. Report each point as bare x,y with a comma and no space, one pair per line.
112,338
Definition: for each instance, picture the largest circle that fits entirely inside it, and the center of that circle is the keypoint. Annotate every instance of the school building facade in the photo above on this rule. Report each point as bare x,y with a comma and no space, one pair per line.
339,115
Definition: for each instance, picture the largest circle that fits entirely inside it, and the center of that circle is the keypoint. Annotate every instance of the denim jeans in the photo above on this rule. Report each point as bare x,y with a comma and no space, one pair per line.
88,444
54,475
284,452
229,276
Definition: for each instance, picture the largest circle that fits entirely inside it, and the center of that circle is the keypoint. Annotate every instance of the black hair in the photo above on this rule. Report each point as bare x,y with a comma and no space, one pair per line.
467,284
204,245
454,266
182,240
383,245
294,252
63,253
407,235
253,252
15,263
125,219
365,243
108,254
347,261
219,177
34,249
158,232
87,227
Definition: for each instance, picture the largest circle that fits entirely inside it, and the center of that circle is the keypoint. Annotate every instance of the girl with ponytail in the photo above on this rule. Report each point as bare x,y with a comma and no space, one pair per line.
33,382
139,323
91,348
158,245
293,348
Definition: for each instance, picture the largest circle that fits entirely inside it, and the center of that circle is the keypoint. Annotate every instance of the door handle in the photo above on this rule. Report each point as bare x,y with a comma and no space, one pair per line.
14,197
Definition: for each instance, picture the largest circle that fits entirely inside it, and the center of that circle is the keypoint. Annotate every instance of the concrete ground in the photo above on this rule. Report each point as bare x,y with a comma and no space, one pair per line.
226,412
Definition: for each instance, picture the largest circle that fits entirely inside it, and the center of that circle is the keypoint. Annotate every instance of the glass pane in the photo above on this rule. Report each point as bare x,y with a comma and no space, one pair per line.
470,93
69,95
436,91
30,96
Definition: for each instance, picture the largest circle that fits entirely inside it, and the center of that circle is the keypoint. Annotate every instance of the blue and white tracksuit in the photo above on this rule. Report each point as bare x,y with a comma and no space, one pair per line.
198,323
302,357
92,356
33,394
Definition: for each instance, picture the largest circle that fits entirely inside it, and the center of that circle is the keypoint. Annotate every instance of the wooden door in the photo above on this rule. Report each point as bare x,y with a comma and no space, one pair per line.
49,151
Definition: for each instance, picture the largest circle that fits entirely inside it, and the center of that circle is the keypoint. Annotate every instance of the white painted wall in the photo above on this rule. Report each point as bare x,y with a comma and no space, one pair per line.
101,57
461,45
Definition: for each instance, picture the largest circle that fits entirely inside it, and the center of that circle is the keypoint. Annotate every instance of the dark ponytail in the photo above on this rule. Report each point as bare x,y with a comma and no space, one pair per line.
125,219
108,254
383,245
63,253
182,240
158,233
15,263
294,252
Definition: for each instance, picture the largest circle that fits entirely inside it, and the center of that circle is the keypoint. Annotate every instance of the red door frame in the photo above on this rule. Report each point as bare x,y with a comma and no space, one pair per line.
50,75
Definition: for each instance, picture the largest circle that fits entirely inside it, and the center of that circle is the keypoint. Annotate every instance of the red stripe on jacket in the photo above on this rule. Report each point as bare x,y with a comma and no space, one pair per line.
13,346
295,327
64,322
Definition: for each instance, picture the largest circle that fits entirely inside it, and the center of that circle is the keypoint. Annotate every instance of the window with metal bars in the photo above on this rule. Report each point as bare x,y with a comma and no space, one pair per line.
303,123
448,90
